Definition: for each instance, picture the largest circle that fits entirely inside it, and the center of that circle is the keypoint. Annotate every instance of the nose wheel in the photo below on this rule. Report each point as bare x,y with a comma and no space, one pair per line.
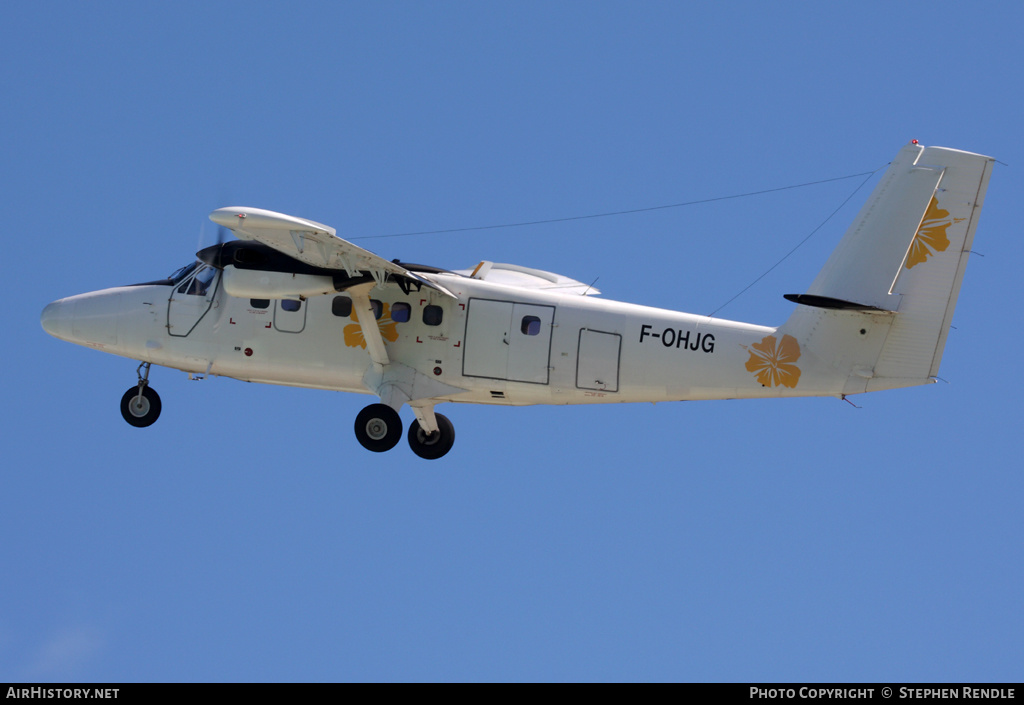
140,405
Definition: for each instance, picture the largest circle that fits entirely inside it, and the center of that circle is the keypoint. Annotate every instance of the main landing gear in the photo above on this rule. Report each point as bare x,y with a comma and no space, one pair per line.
140,405
379,428
432,445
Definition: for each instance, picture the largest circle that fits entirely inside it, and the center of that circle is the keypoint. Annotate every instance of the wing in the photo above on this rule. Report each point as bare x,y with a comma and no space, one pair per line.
312,243
528,278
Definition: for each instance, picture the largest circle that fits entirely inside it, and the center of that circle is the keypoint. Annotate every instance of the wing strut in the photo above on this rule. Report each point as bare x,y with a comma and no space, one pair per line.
368,322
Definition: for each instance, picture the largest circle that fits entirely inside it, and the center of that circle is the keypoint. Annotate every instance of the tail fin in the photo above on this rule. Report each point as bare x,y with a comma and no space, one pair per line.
899,268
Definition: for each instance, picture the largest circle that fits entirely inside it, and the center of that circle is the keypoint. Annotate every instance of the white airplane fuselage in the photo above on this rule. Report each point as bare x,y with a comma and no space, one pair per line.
291,303
585,350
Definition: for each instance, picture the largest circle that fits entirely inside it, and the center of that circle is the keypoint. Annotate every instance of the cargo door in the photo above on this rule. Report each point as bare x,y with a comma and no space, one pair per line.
487,339
530,343
597,365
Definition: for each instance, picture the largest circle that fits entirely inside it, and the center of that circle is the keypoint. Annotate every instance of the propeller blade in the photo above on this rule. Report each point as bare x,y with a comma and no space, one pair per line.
212,254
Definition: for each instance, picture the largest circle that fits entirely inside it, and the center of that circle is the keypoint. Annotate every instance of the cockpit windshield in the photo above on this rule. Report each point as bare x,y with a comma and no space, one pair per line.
183,272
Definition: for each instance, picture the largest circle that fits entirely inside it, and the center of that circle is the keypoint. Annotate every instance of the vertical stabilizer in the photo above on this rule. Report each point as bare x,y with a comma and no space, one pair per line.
863,267
899,267
930,275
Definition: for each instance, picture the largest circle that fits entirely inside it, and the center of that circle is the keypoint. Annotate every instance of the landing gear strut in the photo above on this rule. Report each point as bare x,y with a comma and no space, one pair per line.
378,428
432,445
140,405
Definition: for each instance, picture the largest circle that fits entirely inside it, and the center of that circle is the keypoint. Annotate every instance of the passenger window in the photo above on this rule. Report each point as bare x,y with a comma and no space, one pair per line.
259,303
341,306
432,315
530,325
400,312
290,305
378,308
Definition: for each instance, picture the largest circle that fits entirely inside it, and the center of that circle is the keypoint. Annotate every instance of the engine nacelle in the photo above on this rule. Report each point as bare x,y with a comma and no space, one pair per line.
264,284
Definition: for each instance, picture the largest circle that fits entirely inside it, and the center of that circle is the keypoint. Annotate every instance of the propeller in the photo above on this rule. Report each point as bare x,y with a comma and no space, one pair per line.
213,254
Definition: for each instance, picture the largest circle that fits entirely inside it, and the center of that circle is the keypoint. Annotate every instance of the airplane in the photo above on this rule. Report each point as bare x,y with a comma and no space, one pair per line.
291,303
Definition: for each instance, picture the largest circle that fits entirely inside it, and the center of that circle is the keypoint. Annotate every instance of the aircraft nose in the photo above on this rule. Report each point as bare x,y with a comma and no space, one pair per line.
86,319
57,318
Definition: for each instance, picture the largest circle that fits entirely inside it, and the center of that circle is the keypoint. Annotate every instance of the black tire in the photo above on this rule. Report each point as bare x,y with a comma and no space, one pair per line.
435,445
378,428
140,412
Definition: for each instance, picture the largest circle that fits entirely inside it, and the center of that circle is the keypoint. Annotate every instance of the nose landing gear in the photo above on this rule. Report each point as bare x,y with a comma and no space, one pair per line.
140,405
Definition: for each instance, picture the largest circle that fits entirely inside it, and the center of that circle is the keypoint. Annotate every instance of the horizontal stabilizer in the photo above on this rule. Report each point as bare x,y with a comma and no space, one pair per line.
828,302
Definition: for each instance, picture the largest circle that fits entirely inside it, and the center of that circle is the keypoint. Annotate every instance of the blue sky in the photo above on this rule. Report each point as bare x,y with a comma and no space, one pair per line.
246,536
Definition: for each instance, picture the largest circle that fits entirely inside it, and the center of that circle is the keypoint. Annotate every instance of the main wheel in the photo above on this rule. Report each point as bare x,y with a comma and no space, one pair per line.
378,428
434,445
140,411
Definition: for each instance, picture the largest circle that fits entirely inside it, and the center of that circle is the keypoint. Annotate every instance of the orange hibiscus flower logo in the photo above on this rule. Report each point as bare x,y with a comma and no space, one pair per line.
931,236
354,337
774,364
